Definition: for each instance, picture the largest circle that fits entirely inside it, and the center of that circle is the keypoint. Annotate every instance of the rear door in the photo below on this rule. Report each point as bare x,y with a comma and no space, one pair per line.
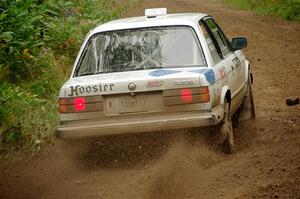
227,63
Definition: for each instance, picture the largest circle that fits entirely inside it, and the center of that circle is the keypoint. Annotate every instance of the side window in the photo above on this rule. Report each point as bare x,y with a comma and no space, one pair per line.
219,37
212,48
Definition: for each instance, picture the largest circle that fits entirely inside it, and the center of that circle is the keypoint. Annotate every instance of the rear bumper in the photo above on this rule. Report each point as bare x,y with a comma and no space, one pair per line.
109,126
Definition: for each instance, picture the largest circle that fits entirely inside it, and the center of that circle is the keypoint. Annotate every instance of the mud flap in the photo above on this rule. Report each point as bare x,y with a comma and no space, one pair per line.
248,108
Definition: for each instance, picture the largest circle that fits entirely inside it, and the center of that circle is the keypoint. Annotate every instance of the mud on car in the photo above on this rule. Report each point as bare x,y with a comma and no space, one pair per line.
156,72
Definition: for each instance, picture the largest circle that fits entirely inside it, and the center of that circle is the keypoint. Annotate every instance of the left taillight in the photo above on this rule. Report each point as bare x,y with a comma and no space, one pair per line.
80,104
63,105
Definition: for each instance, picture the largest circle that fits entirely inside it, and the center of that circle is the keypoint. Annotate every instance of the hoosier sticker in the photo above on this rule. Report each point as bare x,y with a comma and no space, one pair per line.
100,88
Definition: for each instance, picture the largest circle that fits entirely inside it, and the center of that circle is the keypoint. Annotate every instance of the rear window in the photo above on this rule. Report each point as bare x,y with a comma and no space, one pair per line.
140,49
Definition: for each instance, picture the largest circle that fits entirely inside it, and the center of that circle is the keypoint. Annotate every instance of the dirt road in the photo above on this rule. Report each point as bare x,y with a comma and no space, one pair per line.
180,164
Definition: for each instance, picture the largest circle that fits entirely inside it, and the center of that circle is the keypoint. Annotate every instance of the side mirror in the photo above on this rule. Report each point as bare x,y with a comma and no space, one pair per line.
238,43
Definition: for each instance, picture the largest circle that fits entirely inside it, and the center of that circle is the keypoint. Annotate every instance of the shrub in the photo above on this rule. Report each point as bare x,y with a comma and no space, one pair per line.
38,44
20,37
26,121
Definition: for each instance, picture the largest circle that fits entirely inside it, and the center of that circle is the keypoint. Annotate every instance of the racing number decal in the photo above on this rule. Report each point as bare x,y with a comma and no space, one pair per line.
222,72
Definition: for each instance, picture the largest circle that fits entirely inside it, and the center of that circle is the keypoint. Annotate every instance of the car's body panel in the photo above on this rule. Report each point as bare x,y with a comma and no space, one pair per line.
154,99
113,83
152,122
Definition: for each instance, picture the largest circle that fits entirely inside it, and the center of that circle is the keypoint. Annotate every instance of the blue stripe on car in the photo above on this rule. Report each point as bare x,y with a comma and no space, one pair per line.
158,73
210,76
208,73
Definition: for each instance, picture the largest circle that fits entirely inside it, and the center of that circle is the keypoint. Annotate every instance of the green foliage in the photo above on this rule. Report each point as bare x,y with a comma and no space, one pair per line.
39,41
20,32
28,26
49,72
26,121
289,9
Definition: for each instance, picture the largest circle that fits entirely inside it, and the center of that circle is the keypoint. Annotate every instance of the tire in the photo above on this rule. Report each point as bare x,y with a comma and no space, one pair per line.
226,130
250,96
248,107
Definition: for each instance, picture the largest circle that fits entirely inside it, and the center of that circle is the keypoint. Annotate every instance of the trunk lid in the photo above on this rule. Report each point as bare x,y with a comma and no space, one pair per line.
133,81
147,91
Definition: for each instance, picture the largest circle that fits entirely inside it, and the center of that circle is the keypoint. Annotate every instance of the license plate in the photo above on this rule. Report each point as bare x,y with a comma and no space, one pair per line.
131,104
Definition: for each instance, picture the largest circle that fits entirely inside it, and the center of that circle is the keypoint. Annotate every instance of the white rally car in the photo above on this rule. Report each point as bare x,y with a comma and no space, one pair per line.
156,72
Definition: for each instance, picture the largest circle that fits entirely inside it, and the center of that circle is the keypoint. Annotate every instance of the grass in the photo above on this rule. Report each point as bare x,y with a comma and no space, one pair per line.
288,9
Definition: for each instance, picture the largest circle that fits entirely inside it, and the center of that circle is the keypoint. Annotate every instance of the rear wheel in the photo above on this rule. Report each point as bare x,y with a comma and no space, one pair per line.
226,130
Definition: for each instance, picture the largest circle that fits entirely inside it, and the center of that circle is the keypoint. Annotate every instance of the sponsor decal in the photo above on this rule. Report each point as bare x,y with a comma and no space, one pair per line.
158,73
236,61
155,83
222,72
183,82
210,76
100,88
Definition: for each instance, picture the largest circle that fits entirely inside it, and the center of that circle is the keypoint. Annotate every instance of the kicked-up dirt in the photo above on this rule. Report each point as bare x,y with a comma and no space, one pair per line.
181,164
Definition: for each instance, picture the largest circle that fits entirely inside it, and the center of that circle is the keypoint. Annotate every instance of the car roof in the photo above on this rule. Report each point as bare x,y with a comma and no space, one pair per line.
185,19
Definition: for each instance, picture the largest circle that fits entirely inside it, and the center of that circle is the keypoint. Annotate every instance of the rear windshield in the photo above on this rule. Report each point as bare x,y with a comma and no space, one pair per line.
140,49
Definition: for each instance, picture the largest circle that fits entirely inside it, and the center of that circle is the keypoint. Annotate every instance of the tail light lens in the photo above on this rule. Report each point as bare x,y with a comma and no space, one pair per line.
80,104
62,106
186,96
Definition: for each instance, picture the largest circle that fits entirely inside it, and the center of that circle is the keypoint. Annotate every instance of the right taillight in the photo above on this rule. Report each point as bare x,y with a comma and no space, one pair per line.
80,104
186,96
